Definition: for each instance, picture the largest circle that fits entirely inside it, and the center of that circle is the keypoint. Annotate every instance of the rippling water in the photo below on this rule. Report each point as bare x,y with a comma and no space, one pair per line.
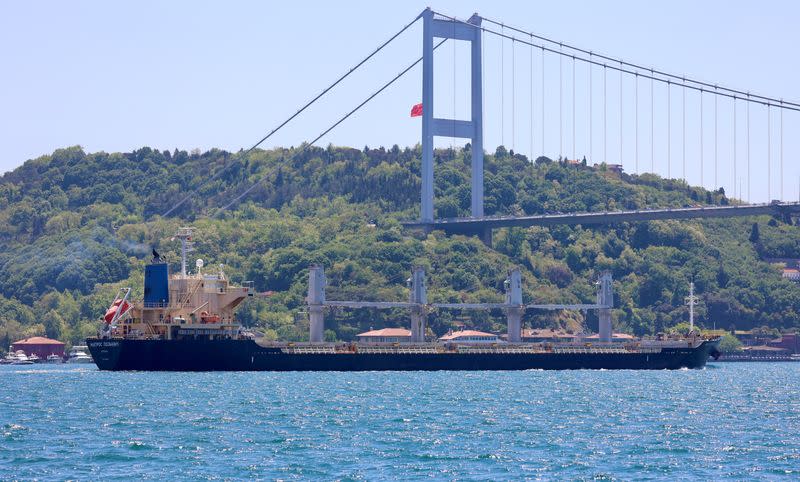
729,421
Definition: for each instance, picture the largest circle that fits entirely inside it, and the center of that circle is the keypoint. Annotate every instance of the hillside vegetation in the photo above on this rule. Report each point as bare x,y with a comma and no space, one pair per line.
75,226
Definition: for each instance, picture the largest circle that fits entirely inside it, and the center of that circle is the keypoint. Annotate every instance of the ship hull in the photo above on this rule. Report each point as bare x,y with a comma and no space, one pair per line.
247,355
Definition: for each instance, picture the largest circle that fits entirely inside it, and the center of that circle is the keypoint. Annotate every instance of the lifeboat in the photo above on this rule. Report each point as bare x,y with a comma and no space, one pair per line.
118,305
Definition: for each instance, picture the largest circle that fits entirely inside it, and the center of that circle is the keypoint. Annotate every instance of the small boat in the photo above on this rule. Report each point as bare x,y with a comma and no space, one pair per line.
78,355
20,358
54,359
34,358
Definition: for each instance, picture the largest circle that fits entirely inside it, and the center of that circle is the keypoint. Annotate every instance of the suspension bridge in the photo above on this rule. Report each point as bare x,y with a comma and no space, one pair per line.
645,110
437,25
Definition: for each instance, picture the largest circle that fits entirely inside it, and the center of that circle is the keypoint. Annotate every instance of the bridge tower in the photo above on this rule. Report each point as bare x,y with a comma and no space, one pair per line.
473,129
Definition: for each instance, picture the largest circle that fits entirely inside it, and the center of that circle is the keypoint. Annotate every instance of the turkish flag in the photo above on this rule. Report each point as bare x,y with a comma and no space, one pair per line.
416,111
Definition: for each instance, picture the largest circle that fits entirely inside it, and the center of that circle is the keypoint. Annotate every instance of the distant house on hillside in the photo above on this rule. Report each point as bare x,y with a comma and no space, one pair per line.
617,168
792,274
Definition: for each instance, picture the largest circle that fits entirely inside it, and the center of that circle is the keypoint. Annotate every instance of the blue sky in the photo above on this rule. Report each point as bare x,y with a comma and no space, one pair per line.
115,76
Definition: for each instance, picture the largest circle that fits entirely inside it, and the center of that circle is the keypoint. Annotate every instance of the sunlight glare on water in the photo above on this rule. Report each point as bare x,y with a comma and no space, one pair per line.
729,421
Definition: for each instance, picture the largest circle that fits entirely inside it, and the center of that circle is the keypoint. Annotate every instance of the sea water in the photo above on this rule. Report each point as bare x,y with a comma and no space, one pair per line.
728,421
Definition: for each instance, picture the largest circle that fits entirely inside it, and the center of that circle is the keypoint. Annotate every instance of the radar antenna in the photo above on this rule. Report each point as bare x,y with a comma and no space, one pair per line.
691,300
185,236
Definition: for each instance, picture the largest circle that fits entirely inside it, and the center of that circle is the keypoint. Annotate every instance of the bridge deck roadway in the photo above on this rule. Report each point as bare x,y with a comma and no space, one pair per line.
480,225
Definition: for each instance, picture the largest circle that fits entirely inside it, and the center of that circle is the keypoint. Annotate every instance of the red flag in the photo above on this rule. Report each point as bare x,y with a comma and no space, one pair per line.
416,111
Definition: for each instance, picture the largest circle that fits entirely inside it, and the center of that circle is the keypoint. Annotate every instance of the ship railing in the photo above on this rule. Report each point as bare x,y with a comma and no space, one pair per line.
309,350
418,350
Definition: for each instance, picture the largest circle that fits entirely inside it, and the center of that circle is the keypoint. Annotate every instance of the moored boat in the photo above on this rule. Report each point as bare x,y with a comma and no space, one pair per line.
54,359
20,358
78,355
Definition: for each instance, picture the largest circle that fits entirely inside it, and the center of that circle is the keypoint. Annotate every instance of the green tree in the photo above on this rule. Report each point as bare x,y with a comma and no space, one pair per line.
53,325
755,235
729,344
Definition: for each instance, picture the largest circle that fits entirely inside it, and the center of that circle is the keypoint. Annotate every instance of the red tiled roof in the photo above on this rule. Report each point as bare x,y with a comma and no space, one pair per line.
458,334
37,340
386,332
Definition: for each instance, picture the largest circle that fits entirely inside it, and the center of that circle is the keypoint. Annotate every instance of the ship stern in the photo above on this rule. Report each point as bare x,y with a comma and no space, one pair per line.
105,352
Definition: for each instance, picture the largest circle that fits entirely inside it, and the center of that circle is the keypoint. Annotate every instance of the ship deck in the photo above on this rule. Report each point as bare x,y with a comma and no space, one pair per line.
442,348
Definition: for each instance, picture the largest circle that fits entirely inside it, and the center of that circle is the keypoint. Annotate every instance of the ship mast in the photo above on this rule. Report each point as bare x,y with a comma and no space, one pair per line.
185,236
691,300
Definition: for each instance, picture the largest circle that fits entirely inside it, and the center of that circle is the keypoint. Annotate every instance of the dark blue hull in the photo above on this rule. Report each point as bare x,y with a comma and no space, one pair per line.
247,355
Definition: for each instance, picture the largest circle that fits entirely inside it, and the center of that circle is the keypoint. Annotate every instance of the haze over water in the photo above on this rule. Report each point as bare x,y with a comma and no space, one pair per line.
729,421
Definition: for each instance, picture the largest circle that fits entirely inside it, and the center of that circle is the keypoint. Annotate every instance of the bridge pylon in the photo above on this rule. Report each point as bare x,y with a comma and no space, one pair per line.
473,129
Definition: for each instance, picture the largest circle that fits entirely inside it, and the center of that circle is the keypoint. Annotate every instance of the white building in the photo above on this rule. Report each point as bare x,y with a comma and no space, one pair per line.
386,335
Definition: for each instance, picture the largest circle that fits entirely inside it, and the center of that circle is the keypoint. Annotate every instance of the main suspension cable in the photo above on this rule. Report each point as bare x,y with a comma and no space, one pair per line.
698,83
290,118
660,76
326,131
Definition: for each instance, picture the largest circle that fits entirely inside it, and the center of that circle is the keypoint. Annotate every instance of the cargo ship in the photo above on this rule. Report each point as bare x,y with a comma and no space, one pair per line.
187,322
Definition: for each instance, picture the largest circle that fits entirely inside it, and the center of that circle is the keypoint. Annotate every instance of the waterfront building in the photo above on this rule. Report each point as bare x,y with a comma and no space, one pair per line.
40,346
386,335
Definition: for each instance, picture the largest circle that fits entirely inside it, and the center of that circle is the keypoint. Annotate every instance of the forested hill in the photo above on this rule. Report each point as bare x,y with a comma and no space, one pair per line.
76,226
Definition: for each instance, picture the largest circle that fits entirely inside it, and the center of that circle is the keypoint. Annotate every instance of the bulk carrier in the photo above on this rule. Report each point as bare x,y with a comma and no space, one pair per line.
186,322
